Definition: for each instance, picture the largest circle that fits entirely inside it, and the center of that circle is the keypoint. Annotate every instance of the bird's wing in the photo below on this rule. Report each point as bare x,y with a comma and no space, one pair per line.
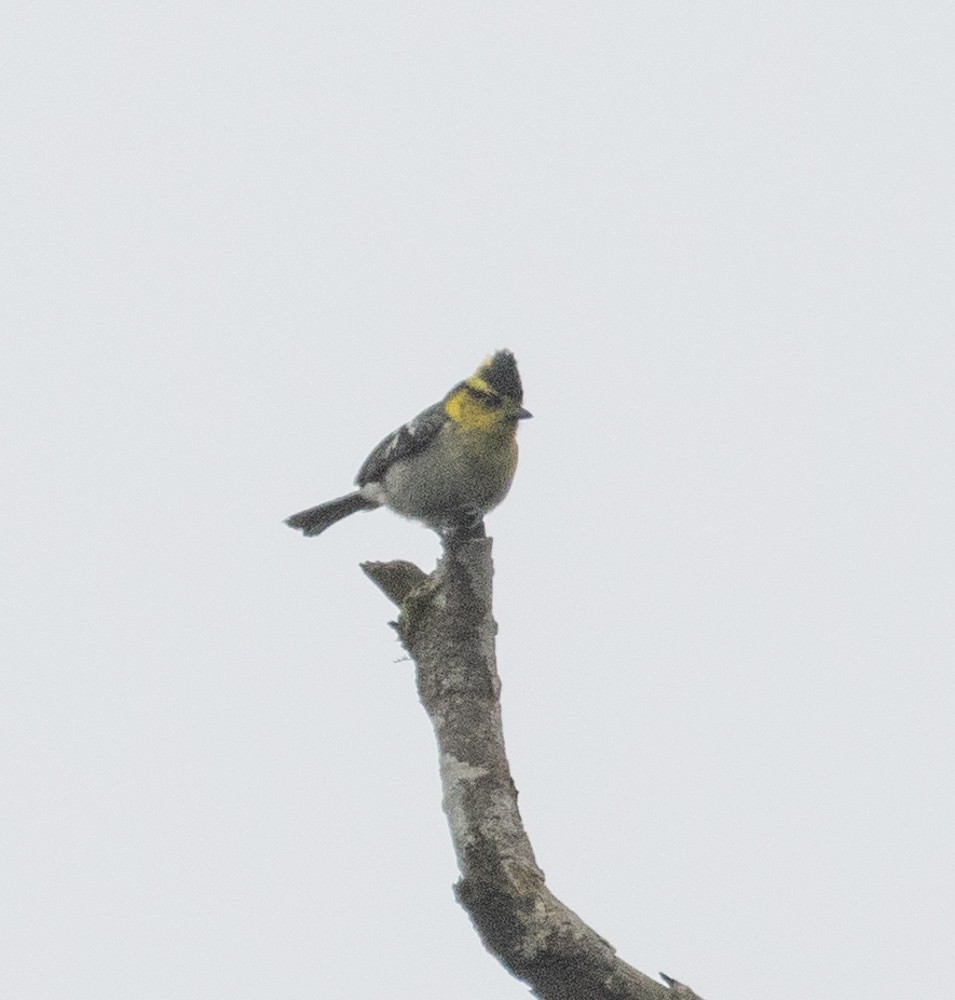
405,441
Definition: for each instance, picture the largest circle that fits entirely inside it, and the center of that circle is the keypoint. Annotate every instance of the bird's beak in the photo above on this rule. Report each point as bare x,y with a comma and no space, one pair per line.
523,414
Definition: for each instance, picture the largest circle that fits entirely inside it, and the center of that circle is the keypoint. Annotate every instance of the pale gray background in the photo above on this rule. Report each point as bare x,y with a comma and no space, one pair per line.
241,243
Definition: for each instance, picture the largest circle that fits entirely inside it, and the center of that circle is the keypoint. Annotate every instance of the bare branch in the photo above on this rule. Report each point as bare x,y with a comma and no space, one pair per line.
395,579
446,625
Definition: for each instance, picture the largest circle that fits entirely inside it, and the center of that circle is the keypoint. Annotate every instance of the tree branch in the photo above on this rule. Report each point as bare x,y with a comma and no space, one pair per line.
446,625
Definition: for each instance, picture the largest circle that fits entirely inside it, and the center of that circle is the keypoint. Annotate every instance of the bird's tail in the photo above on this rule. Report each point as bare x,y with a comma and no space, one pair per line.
316,519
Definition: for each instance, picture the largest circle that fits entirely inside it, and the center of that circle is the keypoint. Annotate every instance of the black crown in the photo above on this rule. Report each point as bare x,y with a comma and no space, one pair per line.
500,373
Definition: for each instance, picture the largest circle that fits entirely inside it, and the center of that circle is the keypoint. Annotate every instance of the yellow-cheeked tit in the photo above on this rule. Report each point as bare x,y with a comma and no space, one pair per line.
449,466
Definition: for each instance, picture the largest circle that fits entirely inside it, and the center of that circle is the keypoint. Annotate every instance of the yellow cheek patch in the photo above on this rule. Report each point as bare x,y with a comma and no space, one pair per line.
469,412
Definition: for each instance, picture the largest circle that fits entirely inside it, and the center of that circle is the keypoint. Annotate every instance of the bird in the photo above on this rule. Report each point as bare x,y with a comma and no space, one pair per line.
449,466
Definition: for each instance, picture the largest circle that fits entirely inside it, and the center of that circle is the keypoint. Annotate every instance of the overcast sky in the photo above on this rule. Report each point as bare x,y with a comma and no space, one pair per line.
243,242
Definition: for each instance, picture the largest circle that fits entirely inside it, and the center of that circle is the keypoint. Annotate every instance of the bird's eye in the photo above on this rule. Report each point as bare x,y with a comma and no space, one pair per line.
488,399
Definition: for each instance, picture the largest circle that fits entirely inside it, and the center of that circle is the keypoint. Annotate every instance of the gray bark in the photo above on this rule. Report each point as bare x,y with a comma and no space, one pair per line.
446,625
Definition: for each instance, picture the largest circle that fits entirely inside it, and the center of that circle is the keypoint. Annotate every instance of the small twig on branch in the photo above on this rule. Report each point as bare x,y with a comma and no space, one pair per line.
446,625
